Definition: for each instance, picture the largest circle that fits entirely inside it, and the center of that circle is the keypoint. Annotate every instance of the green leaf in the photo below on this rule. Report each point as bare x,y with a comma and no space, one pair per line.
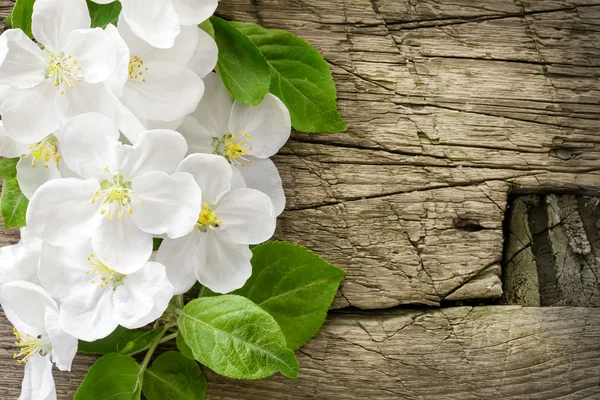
156,242
234,337
107,345
113,377
174,377
207,27
8,167
295,286
242,68
104,14
8,20
136,341
21,16
183,347
301,78
13,204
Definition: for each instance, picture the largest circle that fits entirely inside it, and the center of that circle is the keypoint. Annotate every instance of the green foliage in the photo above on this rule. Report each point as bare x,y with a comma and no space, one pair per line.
21,16
243,70
114,377
295,286
104,14
13,204
183,347
156,242
137,341
116,342
207,27
234,337
301,78
8,167
174,377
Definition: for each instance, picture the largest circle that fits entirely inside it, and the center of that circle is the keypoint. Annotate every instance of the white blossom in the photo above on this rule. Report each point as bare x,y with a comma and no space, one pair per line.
41,341
162,86
124,194
59,80
217,252
95,298
246,136
159,22
19,262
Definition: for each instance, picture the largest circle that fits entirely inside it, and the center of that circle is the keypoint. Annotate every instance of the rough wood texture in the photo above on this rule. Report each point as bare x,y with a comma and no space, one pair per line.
553,252
459,353
450,104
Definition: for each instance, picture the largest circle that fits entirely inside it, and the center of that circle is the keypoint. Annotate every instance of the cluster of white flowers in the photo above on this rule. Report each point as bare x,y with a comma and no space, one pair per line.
126,135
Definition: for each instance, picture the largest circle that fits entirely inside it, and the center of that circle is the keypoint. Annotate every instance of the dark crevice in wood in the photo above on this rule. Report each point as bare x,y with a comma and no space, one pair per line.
542,250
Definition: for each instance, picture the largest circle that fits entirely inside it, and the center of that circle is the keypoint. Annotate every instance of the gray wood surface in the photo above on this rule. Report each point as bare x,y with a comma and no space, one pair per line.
553,252
457,353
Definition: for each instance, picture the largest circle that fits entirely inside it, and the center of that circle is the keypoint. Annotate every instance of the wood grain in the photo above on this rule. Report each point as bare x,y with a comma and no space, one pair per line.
458,353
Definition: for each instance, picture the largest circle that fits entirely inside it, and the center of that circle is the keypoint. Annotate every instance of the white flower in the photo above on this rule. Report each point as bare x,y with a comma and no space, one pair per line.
126,194
95,298
159,85
216,252
19,262
41,341
39,162
159,22
246,136
62,80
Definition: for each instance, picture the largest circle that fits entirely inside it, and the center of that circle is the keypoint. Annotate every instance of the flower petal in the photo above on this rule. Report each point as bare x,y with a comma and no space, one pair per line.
84,98
120,75
171,91
25,306
204,59
95,53
54,20
263,175
193,12
121,245
146,287
199,139
214,109
89,144
181,52
20,104
8,147
38,382
64,346
61,211
222,266
211,172
64,268
155,21
87,313
18,263
158,150
180,259
269,125
170,204
32,174
23,64
246,216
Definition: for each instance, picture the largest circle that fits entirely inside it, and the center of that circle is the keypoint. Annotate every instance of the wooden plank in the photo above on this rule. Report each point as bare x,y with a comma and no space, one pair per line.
437,103
456,353
553,252
445,118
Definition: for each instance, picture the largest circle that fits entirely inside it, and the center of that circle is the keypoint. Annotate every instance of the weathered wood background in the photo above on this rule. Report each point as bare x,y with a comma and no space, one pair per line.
451,105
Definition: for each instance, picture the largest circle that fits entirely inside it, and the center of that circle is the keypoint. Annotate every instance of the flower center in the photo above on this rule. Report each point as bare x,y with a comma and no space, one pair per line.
137,69
207,218
30,346
44,151
63,69
117,197
104,275
234,147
